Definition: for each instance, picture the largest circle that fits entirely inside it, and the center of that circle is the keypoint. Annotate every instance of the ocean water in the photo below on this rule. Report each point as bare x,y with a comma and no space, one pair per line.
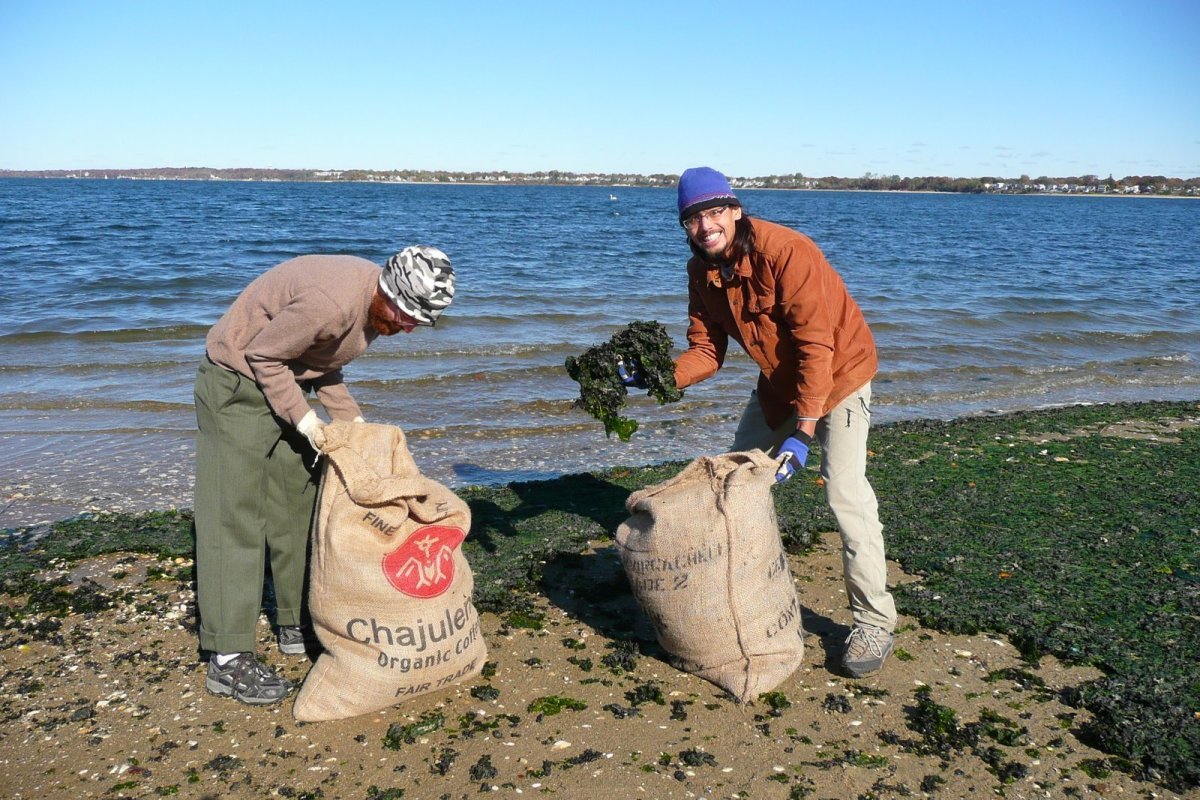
979,304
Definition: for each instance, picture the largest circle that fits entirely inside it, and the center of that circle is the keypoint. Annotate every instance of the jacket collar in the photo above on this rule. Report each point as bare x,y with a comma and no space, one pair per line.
740,270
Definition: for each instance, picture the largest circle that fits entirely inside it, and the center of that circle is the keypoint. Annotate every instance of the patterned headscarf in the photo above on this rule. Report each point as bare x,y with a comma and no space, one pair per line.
420,280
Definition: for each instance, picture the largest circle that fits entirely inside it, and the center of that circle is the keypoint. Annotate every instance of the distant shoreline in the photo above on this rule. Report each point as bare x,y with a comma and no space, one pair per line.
1130,186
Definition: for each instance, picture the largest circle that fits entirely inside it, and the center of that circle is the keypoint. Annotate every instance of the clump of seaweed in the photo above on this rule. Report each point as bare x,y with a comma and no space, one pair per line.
646,693
399,735
643,345
553,704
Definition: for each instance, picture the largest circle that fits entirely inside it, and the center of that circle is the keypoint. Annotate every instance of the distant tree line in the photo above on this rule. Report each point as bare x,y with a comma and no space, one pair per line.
1079,184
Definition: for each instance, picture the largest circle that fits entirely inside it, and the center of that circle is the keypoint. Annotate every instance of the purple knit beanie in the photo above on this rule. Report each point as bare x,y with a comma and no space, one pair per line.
701,188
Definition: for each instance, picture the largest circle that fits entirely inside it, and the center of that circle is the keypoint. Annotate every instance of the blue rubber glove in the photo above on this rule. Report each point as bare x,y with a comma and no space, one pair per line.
794,451
630,375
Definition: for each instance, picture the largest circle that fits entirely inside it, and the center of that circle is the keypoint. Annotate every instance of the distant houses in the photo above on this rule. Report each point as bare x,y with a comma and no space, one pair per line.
1118,187
1086,184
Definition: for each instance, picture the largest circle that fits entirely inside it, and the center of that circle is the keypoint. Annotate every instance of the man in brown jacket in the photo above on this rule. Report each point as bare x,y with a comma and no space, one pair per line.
771,290
288,333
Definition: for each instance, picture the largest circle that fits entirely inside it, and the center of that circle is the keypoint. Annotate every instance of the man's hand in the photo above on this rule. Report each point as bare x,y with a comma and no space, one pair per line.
630,375
313,429
793,452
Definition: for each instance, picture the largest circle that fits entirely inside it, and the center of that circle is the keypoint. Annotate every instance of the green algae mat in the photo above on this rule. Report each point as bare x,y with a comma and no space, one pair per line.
1074,532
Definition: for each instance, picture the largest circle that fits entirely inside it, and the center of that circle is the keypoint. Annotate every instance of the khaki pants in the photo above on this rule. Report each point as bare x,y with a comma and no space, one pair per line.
842,434
254,496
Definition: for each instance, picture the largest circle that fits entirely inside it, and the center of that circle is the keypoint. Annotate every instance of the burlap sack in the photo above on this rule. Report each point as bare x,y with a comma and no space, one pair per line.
703,554
389,587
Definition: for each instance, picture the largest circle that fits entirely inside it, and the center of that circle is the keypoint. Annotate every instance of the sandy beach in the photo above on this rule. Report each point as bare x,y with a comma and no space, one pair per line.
113,705
102,684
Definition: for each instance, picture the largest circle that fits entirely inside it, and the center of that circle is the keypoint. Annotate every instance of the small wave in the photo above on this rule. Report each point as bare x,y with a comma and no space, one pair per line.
154,334
974,372
1109,338
81,403
1143,361
134,371
480,350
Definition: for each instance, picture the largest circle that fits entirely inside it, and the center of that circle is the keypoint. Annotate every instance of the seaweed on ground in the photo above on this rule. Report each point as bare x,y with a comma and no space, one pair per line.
161,533
1072,531
644,345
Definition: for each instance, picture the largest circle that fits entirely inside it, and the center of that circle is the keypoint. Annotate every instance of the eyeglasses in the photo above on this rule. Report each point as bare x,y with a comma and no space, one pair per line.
708,215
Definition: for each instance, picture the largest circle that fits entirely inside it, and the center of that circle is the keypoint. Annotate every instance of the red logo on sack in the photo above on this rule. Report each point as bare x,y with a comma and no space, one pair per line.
423,566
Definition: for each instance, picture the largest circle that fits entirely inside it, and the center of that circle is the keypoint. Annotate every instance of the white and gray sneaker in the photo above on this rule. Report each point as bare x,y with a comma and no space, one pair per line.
292,640
867,647
247,680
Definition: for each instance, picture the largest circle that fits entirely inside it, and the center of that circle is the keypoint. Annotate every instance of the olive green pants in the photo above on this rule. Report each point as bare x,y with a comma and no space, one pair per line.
254,497
842,434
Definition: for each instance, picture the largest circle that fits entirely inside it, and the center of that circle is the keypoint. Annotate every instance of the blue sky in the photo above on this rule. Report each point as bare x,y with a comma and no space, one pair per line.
969,88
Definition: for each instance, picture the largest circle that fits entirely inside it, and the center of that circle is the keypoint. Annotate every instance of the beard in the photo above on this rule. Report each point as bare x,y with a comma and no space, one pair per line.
717,259
380,316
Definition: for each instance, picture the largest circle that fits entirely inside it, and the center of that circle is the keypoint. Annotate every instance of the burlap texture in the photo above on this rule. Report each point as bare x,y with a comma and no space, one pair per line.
703,554
389,587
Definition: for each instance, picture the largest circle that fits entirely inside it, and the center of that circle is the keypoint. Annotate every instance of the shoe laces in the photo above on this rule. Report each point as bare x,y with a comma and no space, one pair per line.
248,664
865,639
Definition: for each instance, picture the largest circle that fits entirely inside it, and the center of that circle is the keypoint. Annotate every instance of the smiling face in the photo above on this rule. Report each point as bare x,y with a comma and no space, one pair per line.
712,230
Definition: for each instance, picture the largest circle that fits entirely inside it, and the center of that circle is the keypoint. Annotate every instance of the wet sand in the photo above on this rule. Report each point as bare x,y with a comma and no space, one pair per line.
49,477
44,478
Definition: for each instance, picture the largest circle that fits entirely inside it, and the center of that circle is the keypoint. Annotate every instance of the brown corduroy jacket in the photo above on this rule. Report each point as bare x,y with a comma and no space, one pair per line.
791,313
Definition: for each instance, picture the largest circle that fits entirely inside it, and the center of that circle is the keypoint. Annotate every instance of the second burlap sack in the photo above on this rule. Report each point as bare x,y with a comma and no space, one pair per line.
389,586
703,554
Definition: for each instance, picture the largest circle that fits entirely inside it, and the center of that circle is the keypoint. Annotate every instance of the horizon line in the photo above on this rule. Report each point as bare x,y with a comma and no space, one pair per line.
657,176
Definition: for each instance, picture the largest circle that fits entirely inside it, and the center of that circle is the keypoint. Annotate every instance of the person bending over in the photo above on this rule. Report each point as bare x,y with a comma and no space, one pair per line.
288,333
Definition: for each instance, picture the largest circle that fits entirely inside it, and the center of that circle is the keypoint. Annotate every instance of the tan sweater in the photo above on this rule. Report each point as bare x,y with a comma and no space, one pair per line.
300,321
790,311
